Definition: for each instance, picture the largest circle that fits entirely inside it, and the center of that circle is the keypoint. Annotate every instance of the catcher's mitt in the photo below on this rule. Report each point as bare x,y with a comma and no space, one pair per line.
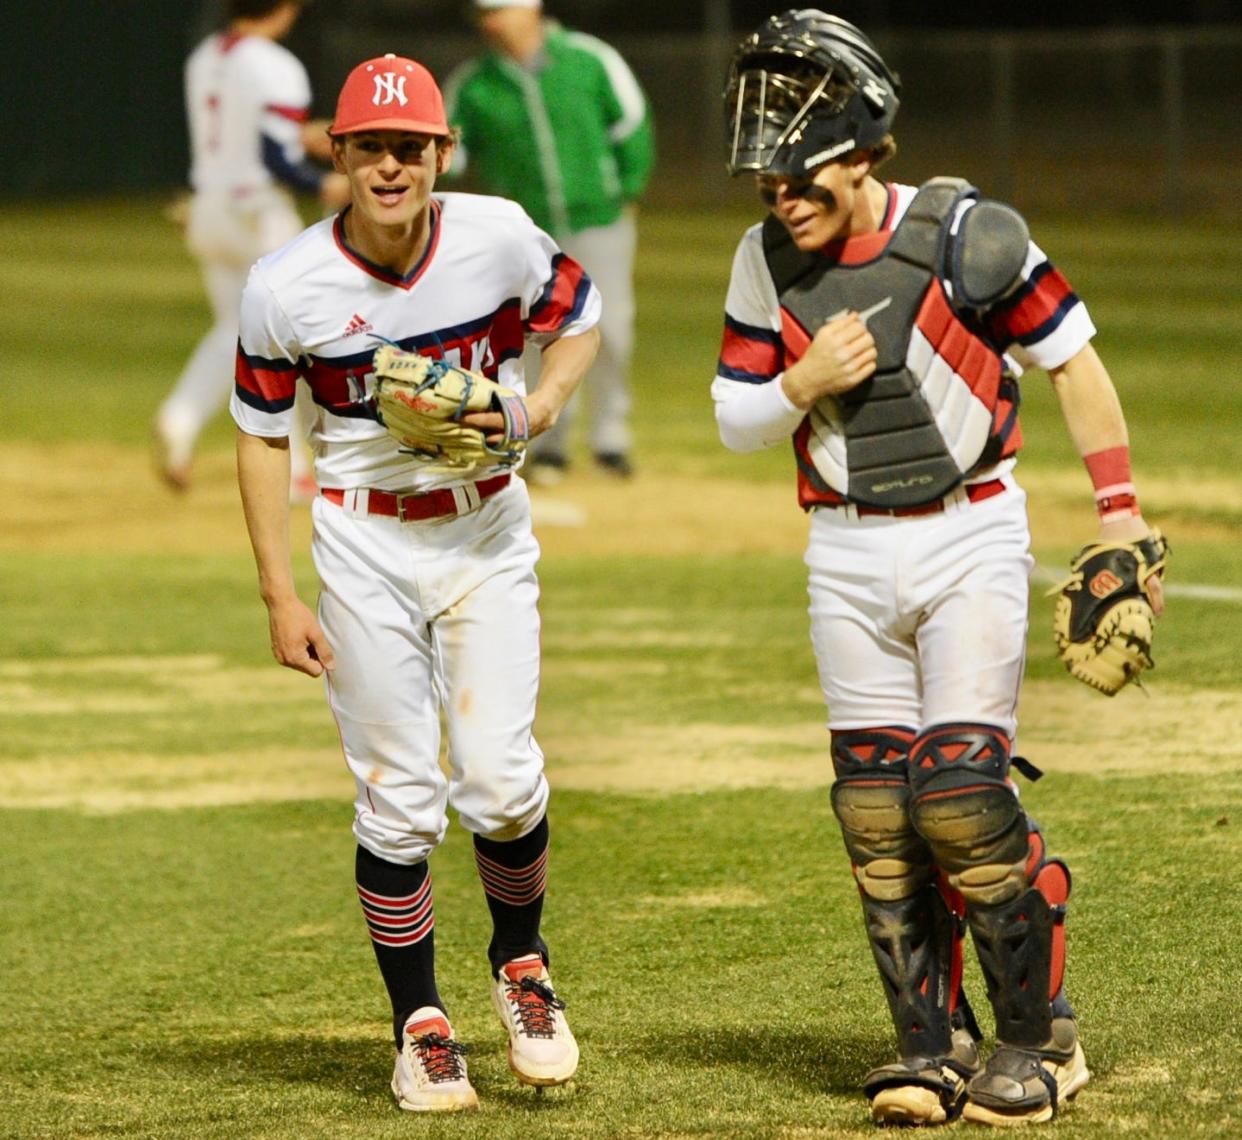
1104,620
421,401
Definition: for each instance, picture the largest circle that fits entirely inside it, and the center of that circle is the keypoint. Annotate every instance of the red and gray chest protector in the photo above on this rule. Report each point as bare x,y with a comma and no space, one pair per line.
941,403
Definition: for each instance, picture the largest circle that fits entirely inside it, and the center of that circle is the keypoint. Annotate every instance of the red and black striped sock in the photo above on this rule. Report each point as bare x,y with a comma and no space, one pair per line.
397,903
514,876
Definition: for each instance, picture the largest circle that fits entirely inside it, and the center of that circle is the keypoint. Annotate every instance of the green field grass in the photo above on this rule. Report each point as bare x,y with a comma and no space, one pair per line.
182,962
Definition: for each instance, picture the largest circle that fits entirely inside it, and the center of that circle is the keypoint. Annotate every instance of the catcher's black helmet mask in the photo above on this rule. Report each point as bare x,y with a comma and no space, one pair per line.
803,89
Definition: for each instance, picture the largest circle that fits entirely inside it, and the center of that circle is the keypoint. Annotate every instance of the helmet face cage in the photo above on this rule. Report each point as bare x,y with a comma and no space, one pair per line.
804,89
770,108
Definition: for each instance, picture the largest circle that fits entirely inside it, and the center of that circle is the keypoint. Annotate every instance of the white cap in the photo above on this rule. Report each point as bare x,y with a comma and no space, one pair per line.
485,5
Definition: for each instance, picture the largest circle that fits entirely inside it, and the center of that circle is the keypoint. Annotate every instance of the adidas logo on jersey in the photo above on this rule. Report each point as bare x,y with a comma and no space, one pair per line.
356,325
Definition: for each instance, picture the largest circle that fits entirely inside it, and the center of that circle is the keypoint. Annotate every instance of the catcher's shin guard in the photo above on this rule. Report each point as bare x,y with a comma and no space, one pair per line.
1021,948
1038,1063
871,800
914,927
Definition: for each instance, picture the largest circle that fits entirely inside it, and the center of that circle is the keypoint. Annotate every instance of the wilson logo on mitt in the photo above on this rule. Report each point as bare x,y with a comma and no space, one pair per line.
1105,583
1104,622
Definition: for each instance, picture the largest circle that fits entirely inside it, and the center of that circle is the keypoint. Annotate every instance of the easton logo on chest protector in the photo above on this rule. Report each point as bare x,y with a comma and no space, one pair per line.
924,420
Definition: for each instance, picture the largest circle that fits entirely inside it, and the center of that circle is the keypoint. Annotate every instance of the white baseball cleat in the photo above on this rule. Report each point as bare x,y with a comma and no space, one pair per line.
542,1050
430,1074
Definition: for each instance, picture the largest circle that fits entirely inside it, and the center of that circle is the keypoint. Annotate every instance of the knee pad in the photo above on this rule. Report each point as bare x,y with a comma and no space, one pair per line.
871,800
963,805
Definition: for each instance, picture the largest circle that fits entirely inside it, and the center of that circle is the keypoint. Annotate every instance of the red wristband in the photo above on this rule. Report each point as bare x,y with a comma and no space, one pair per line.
1115,497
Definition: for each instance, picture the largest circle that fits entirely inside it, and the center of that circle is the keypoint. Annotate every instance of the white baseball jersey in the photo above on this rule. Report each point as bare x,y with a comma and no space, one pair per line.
489,280
240,89
1041,324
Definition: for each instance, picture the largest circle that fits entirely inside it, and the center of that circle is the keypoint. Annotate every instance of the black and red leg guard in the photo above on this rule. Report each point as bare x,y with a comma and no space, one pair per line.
914,920
991,851
1021,948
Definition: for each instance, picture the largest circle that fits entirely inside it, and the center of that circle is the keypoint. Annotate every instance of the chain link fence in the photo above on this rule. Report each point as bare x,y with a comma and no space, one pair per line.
1112,121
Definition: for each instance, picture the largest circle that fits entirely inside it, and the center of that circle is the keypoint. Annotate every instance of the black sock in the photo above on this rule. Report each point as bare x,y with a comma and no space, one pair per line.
514,875
396,901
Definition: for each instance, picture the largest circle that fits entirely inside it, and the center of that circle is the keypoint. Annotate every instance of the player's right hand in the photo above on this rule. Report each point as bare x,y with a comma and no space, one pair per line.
841,355
298,640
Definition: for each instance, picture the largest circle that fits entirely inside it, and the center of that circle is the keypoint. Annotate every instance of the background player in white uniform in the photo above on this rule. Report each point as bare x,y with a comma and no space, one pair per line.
247,101
895,377
429,595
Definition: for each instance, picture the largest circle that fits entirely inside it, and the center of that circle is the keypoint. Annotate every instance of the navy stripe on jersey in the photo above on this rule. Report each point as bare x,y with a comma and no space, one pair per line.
265,385
748,353
1034,310
338,383
563,297
378,271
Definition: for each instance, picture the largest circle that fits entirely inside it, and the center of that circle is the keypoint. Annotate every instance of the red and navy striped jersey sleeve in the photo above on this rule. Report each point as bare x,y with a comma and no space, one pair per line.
563,300
268,367
749,353
1042,323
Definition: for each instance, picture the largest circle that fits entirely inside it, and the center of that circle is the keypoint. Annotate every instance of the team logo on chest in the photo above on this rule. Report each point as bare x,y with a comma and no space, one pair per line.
389,88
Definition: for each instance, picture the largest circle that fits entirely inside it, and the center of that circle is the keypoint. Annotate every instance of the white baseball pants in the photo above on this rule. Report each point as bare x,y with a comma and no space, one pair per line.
431,618
921,620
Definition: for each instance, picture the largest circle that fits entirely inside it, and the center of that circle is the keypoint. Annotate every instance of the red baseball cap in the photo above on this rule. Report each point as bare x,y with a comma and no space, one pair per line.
390,93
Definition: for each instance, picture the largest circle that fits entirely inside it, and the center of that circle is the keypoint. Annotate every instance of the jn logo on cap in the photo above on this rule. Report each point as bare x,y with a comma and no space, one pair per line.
389,88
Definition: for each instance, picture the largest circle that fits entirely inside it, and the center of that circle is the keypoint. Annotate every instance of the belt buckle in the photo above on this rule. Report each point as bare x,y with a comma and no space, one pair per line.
401,501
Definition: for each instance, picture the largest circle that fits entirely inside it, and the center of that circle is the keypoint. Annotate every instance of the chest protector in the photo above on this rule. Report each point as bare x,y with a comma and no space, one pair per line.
928,415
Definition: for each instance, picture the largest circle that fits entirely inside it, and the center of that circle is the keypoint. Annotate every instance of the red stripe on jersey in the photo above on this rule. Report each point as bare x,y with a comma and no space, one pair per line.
296,114
1035,307
812,490
560,305
794,337
746,354
272,385
857,250
960,349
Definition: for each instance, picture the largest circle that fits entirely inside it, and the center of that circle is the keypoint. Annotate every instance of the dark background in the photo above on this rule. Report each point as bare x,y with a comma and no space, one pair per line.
1144,114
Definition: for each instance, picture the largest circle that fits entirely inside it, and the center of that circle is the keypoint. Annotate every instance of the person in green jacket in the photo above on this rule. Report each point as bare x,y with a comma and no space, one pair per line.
556,120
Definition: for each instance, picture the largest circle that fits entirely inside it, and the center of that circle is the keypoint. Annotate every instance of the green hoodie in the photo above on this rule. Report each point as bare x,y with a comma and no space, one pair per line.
570,139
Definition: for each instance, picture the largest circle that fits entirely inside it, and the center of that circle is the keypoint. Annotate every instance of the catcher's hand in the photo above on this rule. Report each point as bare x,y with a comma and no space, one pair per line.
421,401
1104,619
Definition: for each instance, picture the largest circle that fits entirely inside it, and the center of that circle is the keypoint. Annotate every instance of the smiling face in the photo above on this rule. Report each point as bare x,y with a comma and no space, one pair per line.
827,207
391,175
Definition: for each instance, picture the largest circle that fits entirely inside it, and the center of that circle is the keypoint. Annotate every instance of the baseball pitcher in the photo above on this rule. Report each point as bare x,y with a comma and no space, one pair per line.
407,315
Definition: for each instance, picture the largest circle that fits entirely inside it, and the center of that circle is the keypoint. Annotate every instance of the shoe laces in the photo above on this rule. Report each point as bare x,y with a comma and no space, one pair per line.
536,1004
441,1057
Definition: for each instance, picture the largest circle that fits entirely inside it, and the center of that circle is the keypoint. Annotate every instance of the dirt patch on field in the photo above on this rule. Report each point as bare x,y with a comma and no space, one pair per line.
77,498
106,497
1065,728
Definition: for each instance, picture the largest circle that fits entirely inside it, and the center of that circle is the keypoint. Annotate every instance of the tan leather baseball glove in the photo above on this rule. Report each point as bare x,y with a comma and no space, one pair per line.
1104,622
421,401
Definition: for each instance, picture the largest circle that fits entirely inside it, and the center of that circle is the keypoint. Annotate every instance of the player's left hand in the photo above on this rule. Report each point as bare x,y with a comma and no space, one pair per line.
1131,530
1106,610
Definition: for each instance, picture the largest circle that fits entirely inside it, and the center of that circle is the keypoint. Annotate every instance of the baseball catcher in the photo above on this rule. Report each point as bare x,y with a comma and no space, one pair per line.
882,330
1104,617
423,403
